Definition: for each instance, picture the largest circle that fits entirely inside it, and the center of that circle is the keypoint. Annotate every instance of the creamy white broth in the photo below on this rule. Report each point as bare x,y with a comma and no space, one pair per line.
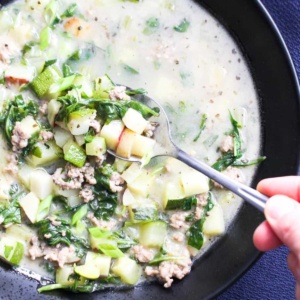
200,71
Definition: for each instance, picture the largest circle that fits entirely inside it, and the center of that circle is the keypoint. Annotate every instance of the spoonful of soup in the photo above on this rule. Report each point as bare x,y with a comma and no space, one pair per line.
157,141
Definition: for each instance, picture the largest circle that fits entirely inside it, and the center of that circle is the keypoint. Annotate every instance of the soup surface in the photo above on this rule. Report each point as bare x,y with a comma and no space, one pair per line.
68,210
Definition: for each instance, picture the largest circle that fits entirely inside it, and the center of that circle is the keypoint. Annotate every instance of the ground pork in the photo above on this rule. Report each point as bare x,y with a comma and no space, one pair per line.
177,220
61,255
233,173
118,93
178,237
35,250
65,255
202,199
115,182
142,254
169,269
72,177
227,144
95,125
54,221
46,135
19,138
109,225
12,166
87,193
43,107
149,129
99,160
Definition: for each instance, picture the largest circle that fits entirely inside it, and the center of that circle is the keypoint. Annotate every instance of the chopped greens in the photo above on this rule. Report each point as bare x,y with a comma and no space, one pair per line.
195,232
183,26
201,127
152,25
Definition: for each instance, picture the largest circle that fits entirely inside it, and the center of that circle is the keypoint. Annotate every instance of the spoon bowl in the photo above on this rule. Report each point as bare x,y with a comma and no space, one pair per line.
165,146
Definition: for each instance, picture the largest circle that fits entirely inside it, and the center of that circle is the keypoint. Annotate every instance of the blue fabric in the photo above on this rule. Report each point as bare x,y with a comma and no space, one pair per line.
269,278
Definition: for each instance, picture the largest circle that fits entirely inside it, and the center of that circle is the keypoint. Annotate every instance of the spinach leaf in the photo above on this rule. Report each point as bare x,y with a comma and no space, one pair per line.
105,201
202,127
61,234
130,69
195,232
16,111
10,212
70,11
160,257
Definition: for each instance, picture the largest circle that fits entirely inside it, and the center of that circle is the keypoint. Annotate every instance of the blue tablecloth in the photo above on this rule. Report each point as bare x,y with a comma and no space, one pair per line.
269,278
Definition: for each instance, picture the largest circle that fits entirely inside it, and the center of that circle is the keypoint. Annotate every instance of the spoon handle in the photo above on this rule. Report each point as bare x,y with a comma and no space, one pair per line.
252,196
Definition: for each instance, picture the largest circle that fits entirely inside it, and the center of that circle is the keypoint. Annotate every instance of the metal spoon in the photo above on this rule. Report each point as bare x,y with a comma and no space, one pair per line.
165,146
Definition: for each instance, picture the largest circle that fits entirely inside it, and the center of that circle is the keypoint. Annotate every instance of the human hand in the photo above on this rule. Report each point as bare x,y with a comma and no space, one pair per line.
282,225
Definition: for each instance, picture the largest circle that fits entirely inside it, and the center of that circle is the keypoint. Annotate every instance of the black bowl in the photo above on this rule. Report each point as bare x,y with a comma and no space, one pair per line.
278,91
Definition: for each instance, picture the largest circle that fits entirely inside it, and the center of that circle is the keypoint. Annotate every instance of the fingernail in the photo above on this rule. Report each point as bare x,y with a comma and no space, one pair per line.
278,206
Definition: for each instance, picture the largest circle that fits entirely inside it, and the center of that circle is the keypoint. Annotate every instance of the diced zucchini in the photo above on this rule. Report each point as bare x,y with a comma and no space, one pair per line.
44,80
121,165
41,183
112,133
124,147
127,269
173,190
30,205
11,250
65,276
194,182
141,184
80,139
24,175
95,265
132,172
214,223
61,136
127,198
102,87
20,232
74,154
53,109
80,120
134,121
30,125
85,85
48,153
153,234
96,147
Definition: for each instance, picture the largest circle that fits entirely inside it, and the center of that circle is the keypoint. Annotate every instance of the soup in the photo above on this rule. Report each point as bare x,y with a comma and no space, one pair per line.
69,210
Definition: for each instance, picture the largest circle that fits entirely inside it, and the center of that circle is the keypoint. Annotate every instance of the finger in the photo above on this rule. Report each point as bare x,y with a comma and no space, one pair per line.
283,216
289,186
264,238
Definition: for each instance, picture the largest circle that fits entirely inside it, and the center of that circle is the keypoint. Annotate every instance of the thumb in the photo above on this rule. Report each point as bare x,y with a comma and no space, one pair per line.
283,215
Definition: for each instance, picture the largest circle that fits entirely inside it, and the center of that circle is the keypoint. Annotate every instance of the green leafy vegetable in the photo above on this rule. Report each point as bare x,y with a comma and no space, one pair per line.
202,127
183,26
195,232
15,111
183,204
61,234
152,25
80,213
10,212
130,69
110,250
45,36
70,11
160,257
